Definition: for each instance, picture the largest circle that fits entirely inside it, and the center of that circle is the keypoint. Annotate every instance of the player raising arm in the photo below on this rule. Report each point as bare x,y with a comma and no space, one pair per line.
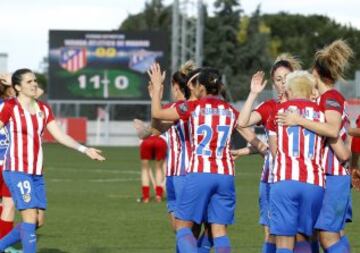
329,66
25,119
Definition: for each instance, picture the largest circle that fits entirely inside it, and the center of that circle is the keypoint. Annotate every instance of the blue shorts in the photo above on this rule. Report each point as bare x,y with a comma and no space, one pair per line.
174,186
294,207
27,191
207,197
264,203
348,215
336,207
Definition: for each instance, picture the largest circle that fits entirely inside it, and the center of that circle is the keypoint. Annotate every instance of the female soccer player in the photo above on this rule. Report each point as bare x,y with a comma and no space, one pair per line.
25,119
152,147
298,186
329,66
283,65
209,194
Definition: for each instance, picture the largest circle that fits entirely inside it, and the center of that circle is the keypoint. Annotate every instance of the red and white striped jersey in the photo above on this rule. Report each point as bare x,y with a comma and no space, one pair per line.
211,122
178,147
333,100
299,151
25,150
266,109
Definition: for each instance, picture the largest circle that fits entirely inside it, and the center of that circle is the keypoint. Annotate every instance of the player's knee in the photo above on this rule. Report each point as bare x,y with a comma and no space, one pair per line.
218,230
40,221
328,239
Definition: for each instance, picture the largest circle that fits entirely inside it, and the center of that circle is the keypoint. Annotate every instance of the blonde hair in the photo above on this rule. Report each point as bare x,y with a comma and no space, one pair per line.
187,67
331,61
286,60
300,82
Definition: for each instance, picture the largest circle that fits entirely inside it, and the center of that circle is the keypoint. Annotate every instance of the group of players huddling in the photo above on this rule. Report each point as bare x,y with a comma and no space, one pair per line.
305,188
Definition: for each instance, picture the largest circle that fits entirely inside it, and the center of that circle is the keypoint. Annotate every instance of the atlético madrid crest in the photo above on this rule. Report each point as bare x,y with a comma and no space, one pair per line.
73,59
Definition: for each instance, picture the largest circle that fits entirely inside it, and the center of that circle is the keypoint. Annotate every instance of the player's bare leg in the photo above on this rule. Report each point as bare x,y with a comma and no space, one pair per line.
159,179
268,237
40,218
145,180
285,242
185,240
327,239
302,244
221,240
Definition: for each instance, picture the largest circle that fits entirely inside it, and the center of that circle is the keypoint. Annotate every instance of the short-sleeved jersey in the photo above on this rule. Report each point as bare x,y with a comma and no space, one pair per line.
25,130
333,100
299,150
178,146
211,122
4,139
266,109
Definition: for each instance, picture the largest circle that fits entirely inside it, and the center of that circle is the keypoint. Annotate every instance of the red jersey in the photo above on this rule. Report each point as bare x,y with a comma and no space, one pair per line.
25,130
179,147
266,109
298,155
333,100
211,122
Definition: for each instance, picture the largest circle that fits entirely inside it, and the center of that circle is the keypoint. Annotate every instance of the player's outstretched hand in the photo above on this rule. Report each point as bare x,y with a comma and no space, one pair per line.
157,77
288,118
257,82
94,154
355,179
237,153
5,79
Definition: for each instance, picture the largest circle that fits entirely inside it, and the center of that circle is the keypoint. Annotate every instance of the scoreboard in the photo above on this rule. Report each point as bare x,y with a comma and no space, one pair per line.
102,65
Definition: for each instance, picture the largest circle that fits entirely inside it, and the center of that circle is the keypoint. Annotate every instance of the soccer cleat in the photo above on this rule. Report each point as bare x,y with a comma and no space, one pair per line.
158,199
12,250
143,200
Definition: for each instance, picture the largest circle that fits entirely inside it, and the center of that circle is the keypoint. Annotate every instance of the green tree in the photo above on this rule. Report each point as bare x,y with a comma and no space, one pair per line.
221,39
155,16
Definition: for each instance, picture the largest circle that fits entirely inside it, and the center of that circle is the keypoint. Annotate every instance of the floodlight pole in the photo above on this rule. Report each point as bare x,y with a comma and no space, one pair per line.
187,32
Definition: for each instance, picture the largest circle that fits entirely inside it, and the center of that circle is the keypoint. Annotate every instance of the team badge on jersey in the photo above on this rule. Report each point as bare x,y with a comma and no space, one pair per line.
27,198
183,107
40,114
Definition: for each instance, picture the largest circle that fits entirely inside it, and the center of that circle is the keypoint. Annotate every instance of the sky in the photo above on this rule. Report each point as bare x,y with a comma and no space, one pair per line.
24,25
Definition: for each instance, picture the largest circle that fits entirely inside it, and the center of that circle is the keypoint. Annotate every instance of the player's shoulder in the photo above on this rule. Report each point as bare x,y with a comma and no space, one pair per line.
333,94
9,102
270,103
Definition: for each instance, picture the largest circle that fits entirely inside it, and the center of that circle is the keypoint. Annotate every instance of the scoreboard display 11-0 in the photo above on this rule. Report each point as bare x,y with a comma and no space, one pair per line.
102,65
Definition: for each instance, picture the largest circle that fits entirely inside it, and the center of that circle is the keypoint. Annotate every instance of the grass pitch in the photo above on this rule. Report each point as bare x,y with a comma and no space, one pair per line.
92,207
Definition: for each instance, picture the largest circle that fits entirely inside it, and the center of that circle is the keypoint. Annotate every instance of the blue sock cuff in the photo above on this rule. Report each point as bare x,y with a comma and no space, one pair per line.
183,232
302,243
283,250
222,241
345,239
205,240
337,247
28,226
269,247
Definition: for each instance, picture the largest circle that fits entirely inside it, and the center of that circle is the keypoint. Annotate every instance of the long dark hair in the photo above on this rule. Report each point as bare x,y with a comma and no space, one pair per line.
17,76
210,78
